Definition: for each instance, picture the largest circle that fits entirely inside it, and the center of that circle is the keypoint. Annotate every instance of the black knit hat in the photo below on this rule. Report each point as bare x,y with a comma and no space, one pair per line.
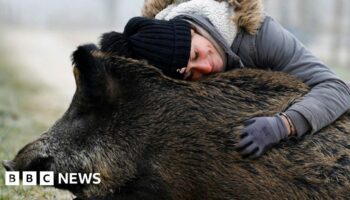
164,44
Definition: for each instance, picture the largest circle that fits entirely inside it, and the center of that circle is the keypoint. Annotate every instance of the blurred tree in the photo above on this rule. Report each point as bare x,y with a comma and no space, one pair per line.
111,10
306,20
285,11
336,31
347,34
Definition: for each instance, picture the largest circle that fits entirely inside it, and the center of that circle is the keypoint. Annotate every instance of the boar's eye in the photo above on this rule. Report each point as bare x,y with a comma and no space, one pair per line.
40,164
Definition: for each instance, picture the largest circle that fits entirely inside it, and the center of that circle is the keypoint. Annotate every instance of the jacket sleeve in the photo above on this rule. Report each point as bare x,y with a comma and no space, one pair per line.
329,96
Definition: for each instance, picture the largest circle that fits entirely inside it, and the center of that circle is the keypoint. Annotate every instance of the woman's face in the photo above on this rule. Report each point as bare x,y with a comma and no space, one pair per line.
204,58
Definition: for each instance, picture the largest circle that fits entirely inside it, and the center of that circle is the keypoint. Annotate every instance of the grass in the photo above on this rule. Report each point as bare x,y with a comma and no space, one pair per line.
25,112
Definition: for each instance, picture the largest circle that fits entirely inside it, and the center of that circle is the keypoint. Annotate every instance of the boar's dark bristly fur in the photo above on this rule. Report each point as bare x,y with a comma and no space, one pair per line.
153,137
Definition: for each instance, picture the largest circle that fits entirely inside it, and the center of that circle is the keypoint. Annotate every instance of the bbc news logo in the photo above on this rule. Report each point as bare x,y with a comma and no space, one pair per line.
47,178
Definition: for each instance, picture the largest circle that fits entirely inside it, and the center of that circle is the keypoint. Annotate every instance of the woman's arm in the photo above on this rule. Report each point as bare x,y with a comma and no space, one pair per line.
329,96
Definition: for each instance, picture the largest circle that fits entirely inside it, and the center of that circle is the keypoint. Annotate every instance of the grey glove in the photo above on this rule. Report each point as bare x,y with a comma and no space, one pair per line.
259,134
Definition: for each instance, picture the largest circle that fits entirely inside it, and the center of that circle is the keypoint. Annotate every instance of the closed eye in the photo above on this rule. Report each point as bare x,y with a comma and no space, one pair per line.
195,56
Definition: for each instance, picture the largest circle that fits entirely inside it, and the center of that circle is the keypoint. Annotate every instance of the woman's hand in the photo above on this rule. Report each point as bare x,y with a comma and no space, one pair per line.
260,133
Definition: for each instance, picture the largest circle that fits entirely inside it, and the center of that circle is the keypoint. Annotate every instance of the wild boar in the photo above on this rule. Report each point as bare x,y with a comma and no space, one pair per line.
153,137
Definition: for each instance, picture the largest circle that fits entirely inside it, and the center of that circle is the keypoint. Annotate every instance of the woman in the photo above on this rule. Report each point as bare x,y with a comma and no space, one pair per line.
192,39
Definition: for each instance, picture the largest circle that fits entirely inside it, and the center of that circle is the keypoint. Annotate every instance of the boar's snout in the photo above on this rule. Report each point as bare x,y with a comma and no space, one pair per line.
32,157
36,164
8,165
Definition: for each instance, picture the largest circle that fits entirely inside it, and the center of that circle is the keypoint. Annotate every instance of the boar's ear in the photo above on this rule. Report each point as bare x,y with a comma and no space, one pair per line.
83,59
90,75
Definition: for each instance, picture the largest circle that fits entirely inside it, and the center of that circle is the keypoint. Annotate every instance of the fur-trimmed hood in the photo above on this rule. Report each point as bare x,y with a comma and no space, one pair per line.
248,14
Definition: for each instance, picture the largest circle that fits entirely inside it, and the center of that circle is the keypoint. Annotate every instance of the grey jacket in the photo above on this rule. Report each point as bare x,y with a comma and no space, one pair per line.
274,48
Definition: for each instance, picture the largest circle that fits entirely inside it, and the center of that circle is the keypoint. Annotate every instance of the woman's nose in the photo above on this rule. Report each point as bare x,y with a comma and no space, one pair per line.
202,66
199,69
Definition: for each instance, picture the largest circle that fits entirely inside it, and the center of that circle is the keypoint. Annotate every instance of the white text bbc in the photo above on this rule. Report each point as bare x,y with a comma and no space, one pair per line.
47,178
